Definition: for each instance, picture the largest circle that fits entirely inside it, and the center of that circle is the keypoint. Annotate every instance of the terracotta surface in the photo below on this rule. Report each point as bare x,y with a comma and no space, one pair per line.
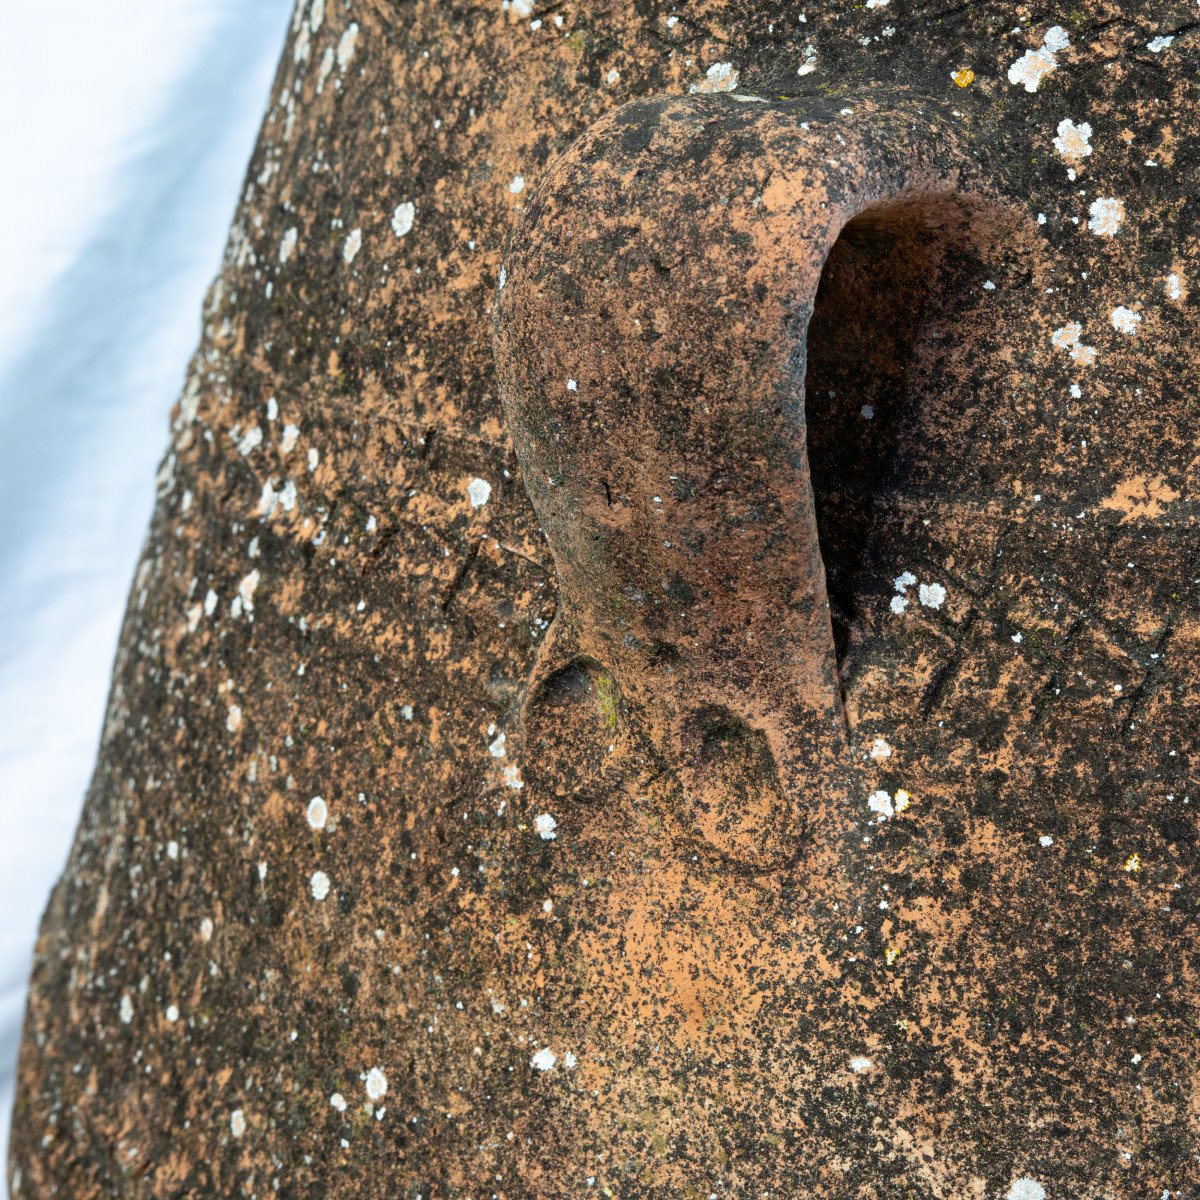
810,810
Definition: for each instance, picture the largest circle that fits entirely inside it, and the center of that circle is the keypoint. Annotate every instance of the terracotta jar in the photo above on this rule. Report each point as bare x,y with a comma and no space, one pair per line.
665,664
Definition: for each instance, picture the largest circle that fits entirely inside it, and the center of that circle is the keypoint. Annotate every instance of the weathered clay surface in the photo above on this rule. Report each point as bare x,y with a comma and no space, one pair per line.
652,350
609,892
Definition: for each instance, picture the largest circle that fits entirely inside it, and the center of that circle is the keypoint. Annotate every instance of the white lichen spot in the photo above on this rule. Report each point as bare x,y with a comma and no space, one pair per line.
172,1013
287,247
1026,1189
880,749
904,581
125,1009
1032,67
1105,216
352,245
287,443
1056,39
1125,320
517,186
1045,841
720,77
898,604
347,45
497,748
246,590
1066,336
325,70
479,491
572,385
1173,287
543,1060
809,65
319,885
302,45
173,851
406,711
251,440
233,719
903,800
1067,339
860,1064
932,595
522,9
338,1101
1158,44
268,499
317,812
287,496
881,803
314,458
867,412
545,826
403,218
211,600
1073,142
878,3
613,77
512,777
206,929
377,1085
237,1122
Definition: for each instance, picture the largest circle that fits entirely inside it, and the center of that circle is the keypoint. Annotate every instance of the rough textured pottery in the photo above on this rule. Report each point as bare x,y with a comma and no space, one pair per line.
665,664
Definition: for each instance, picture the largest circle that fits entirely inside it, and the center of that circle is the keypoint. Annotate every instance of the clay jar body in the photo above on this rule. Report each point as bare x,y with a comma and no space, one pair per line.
725,564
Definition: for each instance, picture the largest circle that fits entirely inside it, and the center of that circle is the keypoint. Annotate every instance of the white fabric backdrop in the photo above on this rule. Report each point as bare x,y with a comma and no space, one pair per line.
125,131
